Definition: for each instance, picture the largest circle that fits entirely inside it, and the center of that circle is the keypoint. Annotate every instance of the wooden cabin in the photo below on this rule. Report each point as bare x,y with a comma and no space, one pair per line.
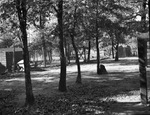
6,56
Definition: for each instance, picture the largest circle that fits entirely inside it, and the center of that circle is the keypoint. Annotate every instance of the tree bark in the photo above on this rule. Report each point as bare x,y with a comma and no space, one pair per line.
42,36
62,82
50,55
22,15
68,55
142,69
97,37
112,47
78,80
72,34
44,51
117,54
66,51
89,50
84,51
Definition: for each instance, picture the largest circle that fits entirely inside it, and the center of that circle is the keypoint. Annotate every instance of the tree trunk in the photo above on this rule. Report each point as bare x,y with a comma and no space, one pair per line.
42,37
50,56
44,51
112,49
72,34
78,80
84,51
62,82
97,43
142,69
34,55
98,56
68,55
28,84
66,51
22,15
117,54
89,50
142,47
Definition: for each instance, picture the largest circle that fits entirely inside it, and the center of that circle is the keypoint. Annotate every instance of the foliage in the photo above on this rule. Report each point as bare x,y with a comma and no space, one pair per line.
113,16
5,43
110,21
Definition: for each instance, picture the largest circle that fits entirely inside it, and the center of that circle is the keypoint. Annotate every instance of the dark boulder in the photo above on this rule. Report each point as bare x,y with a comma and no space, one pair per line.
102,70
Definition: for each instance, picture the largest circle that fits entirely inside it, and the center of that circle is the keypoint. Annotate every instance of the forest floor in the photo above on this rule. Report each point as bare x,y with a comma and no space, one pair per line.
115,93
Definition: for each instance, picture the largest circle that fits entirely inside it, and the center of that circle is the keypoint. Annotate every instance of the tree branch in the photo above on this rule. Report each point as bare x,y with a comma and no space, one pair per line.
55,8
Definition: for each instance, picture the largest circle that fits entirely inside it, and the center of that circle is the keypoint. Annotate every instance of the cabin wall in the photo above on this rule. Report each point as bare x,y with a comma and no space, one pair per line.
9,58
3,58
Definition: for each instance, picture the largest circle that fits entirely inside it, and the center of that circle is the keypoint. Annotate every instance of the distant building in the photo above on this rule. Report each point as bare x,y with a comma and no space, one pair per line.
124,51
6,57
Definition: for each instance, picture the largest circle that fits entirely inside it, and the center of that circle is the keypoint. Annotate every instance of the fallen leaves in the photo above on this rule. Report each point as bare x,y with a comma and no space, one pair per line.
89,98
7,104
94,97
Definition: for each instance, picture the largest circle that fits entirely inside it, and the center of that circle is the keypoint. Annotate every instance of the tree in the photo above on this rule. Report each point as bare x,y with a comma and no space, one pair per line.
22,16
72,35
139,8
88,26
39,13
62,82
97,37
119,38
8,30
117,13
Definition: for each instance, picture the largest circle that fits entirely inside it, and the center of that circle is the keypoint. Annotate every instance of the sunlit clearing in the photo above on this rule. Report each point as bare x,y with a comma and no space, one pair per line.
51,80
8,89
114,78
37,89
91,77
126,98
45,79
15,79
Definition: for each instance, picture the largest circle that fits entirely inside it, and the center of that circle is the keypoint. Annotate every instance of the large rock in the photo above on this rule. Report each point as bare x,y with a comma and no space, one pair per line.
102,70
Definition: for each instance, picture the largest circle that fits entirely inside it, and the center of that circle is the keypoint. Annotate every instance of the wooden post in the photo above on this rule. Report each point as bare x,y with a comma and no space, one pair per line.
142,45
142,69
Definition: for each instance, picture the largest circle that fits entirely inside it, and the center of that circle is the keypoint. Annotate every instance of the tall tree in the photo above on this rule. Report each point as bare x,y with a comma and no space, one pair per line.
62,82
39,14
97,37
119,38
22,15
41,20
72,35
89,50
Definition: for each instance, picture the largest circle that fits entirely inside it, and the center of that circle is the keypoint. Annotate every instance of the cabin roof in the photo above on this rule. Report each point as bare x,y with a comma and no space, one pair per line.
10,49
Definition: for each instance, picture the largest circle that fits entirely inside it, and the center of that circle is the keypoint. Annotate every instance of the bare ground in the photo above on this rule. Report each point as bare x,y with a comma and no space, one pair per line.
115,93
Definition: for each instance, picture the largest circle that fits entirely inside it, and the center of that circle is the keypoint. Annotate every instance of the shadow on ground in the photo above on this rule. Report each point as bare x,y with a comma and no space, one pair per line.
130,108
110,94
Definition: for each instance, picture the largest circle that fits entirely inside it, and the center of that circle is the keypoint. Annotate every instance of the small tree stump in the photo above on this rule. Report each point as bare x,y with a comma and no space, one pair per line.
102,70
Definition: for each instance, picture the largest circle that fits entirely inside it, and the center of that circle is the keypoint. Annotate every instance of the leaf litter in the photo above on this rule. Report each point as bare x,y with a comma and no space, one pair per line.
89,98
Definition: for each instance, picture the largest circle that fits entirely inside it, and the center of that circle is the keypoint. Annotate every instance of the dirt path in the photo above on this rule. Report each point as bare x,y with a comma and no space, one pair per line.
121,85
